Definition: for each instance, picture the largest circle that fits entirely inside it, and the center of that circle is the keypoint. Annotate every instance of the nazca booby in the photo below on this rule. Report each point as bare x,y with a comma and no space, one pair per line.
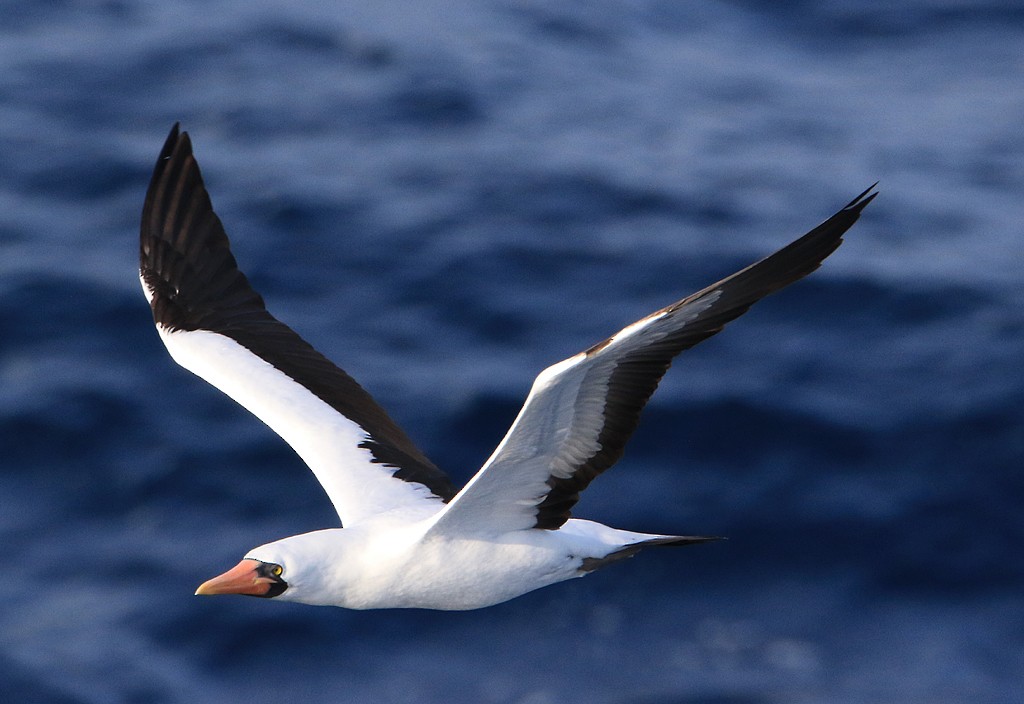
409,538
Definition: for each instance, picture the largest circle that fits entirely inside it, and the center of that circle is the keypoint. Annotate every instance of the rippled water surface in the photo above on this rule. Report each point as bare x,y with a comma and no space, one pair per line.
446,197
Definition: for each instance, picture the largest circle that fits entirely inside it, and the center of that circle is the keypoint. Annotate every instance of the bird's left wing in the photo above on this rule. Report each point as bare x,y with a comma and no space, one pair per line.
580,412
214,324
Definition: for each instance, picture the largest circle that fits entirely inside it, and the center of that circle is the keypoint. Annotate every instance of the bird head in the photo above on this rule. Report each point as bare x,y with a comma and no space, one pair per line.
292,569
251,577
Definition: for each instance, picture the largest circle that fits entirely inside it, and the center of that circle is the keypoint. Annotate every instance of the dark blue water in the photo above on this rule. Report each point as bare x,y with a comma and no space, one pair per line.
446,197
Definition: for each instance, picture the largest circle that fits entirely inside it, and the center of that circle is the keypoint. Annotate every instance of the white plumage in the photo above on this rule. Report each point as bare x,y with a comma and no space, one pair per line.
409,539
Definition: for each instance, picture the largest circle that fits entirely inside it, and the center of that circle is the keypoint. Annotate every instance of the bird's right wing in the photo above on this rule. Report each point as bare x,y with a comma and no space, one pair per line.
580,412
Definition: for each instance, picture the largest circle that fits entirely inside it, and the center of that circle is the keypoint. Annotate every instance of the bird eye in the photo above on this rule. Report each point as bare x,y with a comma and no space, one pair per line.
277,570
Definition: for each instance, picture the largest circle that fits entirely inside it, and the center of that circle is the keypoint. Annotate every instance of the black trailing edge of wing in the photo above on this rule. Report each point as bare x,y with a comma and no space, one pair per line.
638,373
185,260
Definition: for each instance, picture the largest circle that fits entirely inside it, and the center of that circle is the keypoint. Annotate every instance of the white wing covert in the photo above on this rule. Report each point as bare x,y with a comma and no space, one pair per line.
214,324
581,412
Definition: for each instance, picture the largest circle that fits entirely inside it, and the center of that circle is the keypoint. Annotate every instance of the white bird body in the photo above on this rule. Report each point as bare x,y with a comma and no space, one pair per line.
410,540
394,564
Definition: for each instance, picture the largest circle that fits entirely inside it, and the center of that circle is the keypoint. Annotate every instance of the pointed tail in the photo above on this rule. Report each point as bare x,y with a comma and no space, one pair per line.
592,563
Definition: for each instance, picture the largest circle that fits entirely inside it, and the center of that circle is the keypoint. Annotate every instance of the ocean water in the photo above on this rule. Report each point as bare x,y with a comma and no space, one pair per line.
446,197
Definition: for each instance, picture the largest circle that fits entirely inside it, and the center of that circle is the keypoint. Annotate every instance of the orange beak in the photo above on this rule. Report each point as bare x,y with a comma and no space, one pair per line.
243,578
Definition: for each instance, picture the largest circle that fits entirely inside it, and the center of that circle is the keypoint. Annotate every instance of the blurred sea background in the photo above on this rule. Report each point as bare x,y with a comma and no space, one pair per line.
445,198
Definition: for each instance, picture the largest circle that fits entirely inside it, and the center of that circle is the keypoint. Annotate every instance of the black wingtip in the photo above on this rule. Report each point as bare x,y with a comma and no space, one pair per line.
174,138
171,142
860,202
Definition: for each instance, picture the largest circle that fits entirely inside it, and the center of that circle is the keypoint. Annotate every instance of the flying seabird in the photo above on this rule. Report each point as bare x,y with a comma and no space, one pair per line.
409,539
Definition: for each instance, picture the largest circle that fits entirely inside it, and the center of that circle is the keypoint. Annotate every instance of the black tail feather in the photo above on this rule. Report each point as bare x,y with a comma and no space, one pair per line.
592,563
